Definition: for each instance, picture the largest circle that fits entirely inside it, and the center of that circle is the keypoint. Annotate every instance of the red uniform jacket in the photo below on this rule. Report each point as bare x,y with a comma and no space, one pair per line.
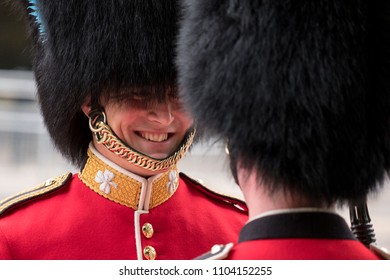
107,213
295,236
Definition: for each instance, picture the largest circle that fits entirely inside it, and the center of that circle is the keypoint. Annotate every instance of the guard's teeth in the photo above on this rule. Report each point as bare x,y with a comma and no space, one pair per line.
154,136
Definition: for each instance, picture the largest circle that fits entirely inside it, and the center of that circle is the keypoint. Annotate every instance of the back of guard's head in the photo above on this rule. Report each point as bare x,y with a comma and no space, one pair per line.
299,88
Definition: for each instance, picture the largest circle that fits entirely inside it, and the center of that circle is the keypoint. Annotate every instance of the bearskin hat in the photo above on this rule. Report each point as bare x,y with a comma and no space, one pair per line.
300,89
98,48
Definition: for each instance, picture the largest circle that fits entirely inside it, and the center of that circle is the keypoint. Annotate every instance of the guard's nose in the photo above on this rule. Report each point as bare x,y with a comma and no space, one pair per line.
161,113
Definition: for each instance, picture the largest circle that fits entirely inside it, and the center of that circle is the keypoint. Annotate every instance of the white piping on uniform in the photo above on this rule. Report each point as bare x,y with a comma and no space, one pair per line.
143,208
137,229
143,194
148,193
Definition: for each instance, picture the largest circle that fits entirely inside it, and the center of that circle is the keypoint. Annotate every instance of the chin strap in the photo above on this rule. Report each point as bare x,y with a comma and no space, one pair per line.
104,135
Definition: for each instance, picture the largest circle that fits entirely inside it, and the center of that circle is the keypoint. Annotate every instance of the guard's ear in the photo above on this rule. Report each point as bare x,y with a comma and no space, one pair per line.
86,106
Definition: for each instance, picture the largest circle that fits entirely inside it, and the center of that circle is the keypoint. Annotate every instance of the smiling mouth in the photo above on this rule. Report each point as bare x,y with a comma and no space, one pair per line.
155,137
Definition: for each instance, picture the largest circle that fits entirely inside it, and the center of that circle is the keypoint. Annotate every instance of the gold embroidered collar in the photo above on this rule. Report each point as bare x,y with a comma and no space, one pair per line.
126,188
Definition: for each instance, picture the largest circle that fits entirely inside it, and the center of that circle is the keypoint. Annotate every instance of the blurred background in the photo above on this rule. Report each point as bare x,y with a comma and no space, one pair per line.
28,158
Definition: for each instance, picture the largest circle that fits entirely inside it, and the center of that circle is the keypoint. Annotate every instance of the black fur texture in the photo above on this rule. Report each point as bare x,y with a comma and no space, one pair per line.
300,89
99,48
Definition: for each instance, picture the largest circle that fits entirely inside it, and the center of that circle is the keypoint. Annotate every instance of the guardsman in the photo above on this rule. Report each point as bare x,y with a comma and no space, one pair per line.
300,91
108,93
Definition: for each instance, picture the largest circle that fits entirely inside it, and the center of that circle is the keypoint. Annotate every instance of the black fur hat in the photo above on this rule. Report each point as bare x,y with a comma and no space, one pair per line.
114,48
299,88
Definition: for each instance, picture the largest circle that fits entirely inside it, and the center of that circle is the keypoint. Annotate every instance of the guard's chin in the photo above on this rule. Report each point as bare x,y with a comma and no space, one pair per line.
159,155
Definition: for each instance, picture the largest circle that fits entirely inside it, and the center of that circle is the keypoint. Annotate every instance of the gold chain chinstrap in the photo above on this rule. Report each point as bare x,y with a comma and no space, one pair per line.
105,136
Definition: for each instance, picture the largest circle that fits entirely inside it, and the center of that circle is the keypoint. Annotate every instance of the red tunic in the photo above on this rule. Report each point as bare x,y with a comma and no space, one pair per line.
295,236
93,218
301,249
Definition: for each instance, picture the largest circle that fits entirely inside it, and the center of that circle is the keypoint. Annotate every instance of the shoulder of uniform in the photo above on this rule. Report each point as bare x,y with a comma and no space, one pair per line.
217,252
380,251
42,189
235,201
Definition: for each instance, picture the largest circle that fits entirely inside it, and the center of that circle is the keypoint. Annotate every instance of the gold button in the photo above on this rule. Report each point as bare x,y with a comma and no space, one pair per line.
150,253
147,230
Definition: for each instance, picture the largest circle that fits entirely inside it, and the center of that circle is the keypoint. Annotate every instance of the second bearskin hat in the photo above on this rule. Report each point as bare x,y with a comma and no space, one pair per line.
97,48
299,89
